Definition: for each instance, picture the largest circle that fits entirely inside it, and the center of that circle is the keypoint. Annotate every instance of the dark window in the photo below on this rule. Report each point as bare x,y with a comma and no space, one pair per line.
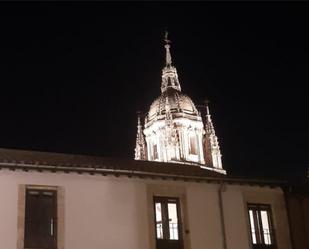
155,152
192,145
167,222
261,226
41,219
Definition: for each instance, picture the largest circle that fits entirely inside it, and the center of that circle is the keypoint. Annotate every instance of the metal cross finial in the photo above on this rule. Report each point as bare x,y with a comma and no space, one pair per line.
206,101
139,113
168,59
167,41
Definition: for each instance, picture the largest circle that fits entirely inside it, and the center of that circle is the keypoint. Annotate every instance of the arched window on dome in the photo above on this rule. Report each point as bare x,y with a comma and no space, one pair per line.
192,144
155,152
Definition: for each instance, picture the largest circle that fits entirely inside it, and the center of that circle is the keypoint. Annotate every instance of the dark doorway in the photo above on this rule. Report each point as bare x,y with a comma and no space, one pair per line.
41,219
168,223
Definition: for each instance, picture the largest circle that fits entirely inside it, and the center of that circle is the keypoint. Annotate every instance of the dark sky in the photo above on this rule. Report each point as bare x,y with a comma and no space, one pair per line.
73,76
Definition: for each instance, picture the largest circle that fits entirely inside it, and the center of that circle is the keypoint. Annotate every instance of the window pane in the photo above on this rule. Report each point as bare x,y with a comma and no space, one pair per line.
266,228
172,221
155,152
33,192
192,145
253,232
159,225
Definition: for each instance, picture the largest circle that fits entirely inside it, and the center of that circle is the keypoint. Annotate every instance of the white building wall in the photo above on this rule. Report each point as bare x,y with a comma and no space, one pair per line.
105,213
8,211
235,217
113,212
100,212
204,216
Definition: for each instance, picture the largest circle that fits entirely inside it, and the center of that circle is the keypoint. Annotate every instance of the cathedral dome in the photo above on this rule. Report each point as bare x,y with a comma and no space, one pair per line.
177,102
174,130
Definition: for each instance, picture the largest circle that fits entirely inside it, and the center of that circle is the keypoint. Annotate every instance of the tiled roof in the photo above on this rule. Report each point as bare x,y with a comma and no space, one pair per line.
57,162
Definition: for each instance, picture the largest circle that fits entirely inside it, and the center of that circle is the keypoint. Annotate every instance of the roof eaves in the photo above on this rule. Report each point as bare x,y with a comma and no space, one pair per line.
138,173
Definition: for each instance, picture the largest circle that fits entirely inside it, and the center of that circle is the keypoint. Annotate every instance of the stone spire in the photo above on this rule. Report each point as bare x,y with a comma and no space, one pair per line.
209,127
140,148
211,145
169,72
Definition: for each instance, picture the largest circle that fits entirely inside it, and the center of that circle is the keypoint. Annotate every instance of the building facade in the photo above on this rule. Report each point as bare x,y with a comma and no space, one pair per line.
59,201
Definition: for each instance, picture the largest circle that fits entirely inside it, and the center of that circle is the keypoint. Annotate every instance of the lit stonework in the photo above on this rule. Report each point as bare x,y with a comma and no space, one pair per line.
174,130
211,145
140,148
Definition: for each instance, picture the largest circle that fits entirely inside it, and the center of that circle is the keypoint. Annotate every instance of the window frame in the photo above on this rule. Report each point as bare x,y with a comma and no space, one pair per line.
165,218
193,146
257,208
21,204
41,192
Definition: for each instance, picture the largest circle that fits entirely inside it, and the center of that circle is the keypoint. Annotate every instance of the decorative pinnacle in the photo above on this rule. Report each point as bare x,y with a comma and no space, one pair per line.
167,46
140,148
167,41
209,125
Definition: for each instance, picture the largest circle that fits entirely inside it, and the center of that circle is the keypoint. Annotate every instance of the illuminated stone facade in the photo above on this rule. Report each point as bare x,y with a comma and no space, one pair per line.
174,130
140,148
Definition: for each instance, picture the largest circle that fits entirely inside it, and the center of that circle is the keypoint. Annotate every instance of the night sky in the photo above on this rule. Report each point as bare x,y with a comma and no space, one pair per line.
73,76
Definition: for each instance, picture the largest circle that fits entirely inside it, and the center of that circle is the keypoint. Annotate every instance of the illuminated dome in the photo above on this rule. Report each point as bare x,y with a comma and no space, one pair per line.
173,130
177,101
